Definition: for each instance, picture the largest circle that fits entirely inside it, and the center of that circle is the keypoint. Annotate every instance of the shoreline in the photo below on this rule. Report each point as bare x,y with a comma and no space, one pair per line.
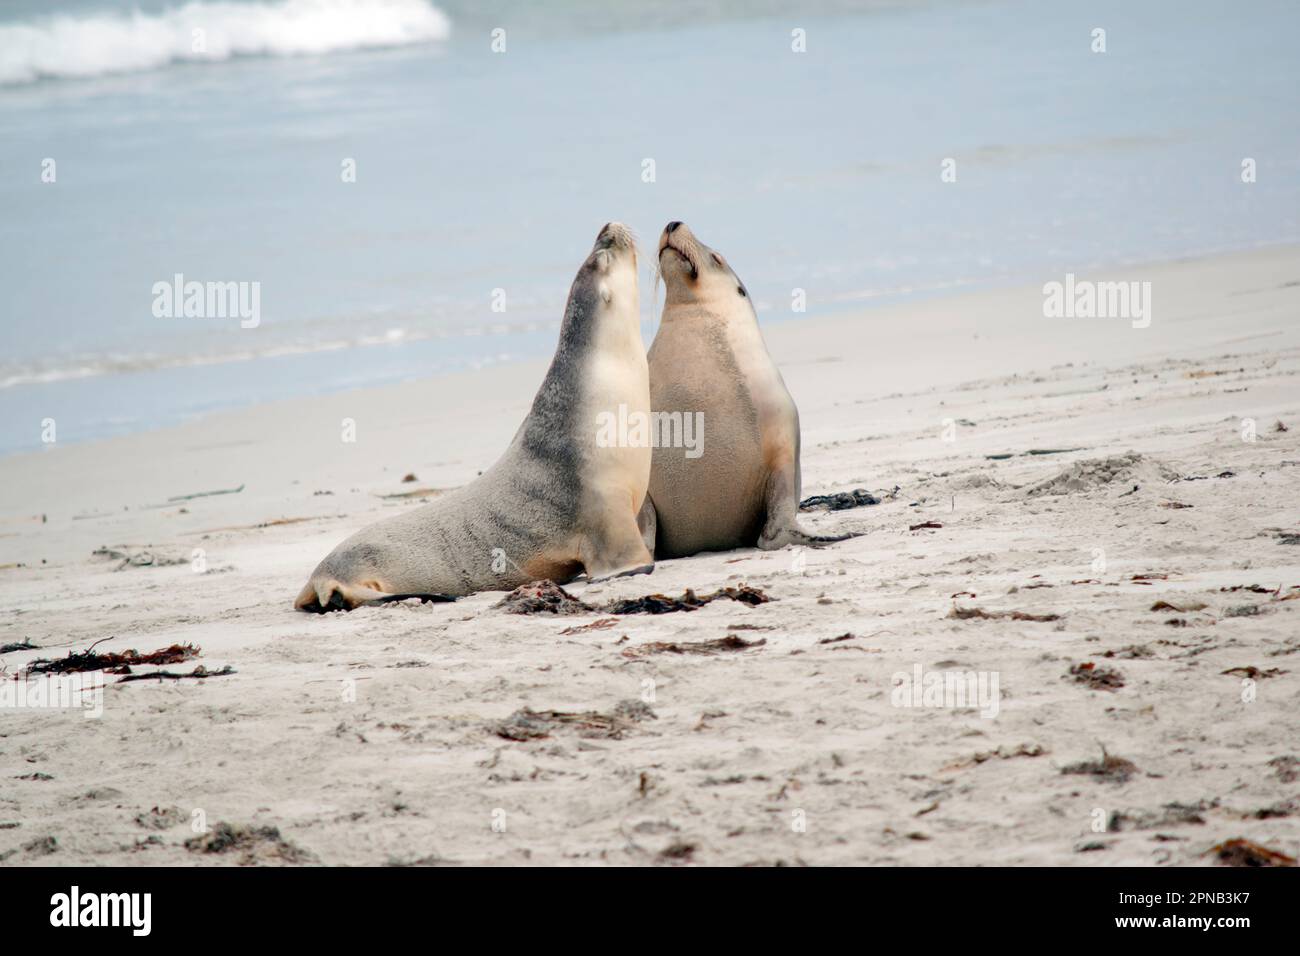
889,301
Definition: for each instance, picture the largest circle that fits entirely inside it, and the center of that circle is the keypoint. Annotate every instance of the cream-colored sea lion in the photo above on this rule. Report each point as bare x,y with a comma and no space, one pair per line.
740,486
558,501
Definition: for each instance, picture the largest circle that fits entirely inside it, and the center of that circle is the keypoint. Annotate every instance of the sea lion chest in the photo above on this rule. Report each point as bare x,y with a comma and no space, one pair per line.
717,368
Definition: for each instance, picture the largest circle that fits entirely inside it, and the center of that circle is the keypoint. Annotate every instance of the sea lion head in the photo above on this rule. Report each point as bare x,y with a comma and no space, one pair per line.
695,274
604,297
608,277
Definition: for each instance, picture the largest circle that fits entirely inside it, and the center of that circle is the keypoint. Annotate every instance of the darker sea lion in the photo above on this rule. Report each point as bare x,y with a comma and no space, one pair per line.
558,502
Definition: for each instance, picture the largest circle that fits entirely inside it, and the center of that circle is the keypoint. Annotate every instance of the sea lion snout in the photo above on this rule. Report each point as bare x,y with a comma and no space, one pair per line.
678,253
677,236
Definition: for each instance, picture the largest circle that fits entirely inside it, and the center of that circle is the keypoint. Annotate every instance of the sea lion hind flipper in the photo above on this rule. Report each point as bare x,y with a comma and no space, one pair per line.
781,526
619,550
799,536
641,569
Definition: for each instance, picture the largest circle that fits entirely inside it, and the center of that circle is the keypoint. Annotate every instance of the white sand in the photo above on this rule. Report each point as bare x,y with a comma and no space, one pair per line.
745,742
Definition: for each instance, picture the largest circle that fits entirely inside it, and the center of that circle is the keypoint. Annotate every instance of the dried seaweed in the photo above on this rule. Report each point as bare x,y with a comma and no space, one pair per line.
1131,651
199,673
1097,678
969,613
1242,852
255,843
1109,767
729,643
601,624
840,501
1287,768
678,850
835,640
542,597
689,601
529,724
1024,750
1170,815
1253,672
89,660
547,597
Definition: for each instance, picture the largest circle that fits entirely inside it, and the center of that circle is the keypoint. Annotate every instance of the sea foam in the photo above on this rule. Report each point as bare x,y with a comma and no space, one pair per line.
89,45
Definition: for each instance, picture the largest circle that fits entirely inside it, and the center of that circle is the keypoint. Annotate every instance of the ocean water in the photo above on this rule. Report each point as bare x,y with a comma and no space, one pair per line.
482,177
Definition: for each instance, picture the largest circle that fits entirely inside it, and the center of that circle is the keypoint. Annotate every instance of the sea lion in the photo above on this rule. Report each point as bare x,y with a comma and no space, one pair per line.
558,501
740,487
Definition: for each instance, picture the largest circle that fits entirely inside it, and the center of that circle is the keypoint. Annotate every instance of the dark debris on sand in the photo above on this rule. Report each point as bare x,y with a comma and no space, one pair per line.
840,500
689,601
1097,678
114,662
1253,672
256,844
529,724
199,673
547,597
1242,852
600,624
678,850
975,613
542,597
1286,767
1169,815
999,753
1109,767
729,643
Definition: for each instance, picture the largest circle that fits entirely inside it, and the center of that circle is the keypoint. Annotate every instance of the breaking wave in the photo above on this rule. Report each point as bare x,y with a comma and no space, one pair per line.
89,45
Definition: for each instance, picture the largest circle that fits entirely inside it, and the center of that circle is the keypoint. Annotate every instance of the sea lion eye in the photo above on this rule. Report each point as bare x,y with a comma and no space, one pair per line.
741,290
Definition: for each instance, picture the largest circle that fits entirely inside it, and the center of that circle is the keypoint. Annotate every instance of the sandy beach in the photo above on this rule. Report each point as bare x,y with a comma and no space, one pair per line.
1119,502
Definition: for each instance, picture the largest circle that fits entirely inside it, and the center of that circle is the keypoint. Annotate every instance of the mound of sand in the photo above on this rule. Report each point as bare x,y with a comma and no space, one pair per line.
1094,474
